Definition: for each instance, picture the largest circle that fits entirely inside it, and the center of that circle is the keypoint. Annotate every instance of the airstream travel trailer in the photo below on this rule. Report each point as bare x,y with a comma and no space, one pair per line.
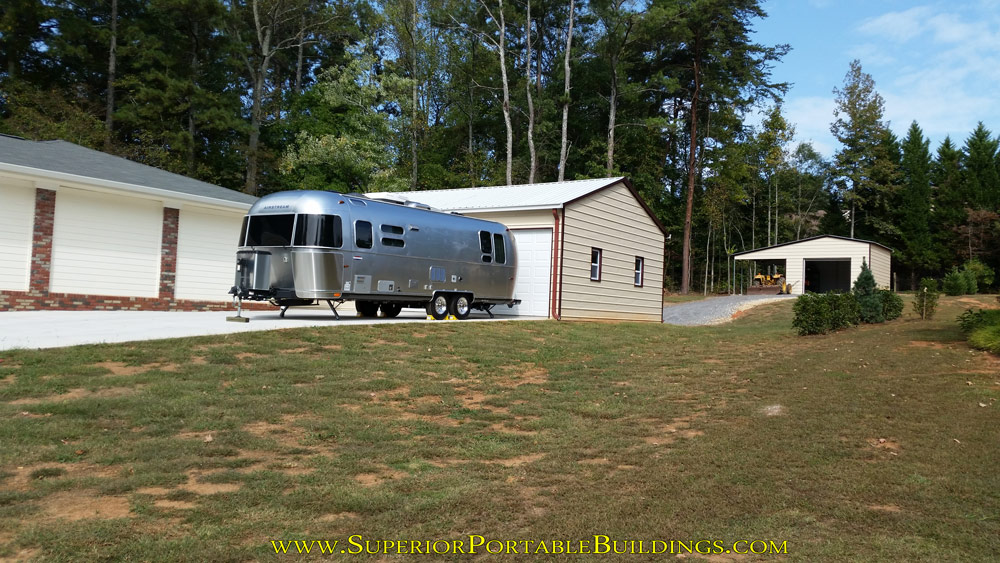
300,247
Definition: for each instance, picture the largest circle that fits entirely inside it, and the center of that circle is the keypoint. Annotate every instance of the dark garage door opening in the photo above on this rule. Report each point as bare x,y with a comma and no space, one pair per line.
828,274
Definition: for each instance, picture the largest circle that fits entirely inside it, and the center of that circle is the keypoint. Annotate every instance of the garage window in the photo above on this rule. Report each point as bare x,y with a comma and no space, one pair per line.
596,254
640,269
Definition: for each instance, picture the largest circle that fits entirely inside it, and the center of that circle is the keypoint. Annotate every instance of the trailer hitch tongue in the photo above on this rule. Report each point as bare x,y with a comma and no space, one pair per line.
239,318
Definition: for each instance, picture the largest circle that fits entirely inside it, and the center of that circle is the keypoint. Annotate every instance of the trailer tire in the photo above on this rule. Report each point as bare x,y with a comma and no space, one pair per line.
391,310
367,308
460,307
438,307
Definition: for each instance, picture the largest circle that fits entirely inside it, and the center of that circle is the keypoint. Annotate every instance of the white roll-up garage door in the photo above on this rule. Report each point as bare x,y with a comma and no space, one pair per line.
534,273
104,245
17,219
206,254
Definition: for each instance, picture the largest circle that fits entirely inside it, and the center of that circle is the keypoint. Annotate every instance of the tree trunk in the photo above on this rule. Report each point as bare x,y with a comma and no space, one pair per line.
852,216
109,114
506,94
255,119
689,206
531,104
299,57
612,112
415,118
564,151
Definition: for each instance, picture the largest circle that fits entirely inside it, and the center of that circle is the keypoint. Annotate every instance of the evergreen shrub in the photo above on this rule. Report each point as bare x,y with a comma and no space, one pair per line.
925,301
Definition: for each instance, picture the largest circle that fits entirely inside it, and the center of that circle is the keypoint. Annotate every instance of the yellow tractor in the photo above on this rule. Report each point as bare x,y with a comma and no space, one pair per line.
765,279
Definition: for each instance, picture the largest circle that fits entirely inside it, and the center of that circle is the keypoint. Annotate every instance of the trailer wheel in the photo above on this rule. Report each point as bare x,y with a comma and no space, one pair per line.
460,307
367,308
391,310
438,308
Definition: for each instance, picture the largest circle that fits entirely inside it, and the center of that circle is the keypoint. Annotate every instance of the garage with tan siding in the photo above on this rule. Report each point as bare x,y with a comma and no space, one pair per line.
824,263
557,227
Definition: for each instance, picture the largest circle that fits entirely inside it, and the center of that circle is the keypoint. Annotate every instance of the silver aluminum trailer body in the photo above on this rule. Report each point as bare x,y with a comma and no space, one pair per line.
298,247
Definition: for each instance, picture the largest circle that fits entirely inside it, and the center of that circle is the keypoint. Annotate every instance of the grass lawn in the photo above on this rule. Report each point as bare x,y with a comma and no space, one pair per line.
875,443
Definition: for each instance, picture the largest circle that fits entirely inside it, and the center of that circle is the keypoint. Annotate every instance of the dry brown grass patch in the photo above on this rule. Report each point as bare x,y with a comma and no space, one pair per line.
516,461
21,479
84,505
79,393
384,474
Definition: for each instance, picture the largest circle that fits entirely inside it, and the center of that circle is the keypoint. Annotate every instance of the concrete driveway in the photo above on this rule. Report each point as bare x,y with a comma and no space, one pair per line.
53,329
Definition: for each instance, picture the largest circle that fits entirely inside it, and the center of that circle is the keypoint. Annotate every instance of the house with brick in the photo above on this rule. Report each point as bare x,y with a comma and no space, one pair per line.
81,229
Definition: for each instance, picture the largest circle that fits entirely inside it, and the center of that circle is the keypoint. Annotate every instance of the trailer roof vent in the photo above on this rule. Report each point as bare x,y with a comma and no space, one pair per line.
416,204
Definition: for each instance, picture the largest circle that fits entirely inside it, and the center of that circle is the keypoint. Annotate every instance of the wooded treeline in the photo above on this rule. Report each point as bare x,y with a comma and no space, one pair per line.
354,95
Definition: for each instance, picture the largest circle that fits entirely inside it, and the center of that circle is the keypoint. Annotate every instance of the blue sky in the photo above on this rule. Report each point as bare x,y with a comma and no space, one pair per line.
934,62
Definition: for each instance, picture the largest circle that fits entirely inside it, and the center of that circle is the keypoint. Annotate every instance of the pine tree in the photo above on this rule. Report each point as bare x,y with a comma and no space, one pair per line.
859,128
915,204
982,183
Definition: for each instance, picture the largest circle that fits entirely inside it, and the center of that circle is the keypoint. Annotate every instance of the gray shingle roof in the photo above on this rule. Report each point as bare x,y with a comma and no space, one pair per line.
67,158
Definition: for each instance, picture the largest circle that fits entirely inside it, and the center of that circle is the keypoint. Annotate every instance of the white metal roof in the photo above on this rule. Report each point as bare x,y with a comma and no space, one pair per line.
551,195
770,252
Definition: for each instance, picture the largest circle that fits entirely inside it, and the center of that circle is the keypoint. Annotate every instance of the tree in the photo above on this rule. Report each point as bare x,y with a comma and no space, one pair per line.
721,66
949,202
773,138
274,26
859,128
982,182
354,154
564,150
915,209
809,172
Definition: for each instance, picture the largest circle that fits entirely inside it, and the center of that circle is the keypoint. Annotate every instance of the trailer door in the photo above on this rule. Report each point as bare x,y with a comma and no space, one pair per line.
534,273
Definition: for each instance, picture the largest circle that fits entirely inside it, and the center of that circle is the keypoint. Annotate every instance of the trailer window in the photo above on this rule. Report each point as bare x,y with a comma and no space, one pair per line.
319,230
392,230
270,230
243,231
500,251
363,234
484,242
388,241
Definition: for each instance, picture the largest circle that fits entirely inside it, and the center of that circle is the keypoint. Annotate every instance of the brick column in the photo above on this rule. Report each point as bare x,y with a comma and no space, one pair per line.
41,242
168,253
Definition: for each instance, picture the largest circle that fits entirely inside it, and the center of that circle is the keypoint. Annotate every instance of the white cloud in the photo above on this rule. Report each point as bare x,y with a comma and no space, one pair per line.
898,26
812,116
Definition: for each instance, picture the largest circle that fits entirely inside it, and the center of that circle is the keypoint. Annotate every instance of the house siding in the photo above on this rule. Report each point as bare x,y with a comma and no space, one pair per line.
881,265
614,221
17,209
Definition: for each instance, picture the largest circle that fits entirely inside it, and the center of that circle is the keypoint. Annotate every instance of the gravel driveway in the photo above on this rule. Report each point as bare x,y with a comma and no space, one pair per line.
715,310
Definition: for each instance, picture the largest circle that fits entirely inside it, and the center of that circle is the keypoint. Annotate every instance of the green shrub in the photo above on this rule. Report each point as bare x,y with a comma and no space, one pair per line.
984,274
954,283
844,311
812,314
925,301
892,304
971,285
986,338
973,319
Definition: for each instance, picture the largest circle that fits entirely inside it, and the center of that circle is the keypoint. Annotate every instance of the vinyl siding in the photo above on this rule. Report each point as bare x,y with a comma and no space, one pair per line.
615,222
105,245
881,266
17,218
795,256
206,253
535,219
